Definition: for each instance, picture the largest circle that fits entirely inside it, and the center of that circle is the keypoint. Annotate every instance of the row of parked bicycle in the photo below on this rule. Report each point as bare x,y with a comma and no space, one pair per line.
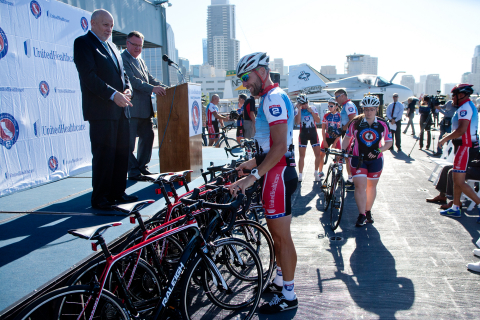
203,256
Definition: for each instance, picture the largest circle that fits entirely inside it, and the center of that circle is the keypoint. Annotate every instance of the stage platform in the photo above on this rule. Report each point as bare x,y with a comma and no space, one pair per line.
409,264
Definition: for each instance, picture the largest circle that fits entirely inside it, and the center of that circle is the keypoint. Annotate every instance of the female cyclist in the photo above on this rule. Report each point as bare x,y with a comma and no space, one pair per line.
331,131
368,131
308,118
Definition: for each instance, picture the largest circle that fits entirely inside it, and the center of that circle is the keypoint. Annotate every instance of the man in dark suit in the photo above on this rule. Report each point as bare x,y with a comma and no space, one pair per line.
143,84
106,94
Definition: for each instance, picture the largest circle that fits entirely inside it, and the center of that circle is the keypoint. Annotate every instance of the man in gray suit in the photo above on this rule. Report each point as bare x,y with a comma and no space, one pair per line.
143,84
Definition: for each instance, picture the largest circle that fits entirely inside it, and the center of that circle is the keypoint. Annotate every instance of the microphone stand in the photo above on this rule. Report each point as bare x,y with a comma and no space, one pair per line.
174,65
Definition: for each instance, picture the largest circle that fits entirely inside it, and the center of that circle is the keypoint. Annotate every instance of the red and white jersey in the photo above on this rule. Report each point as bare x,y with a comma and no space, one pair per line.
467,111
211,108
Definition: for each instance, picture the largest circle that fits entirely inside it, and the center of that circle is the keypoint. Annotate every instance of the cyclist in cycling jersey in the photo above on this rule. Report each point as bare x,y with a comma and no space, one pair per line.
212,120
331,131
368,131
465,140
349,111
241,101
276,167
308,118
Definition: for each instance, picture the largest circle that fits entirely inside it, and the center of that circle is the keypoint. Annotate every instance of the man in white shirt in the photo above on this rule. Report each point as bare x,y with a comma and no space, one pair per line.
213,117
394,115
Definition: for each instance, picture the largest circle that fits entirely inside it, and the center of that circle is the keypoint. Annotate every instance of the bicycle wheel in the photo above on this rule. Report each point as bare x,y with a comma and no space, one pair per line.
229,143
336,207
327,191
75,302
241,298
261,241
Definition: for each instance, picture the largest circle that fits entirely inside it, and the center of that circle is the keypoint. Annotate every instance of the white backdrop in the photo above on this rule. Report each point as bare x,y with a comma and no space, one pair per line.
42,133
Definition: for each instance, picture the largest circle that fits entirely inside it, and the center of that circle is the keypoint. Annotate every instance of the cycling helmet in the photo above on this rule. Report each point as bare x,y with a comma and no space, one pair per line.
251,61
332,100
463,88
370,101
302,98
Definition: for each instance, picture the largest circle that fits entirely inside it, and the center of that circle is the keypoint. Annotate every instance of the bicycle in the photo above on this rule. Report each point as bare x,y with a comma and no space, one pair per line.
223,139
334,192
196,272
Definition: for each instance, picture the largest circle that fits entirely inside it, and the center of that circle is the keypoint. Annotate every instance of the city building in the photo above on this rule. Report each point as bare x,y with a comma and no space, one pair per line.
419,89
328,70
361,64
184,65
195,71
474,78
205,51
172,54
276,65
432,84
465,77
223,48
408,81
476,60
447,87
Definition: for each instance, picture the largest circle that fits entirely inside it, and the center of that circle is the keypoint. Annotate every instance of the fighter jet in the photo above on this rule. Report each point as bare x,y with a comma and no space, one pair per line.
304,78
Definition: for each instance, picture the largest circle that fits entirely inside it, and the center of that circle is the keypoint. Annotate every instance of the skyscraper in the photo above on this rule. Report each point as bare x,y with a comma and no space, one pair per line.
172,54
205,51
360,64
184,65
476,60
223,48
432,84
277,65
408,81
328,70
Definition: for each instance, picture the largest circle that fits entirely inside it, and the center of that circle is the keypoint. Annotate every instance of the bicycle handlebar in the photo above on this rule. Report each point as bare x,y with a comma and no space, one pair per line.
229,150
343,154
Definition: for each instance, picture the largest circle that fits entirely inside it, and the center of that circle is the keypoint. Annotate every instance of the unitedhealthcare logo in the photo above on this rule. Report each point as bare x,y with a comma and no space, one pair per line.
45,54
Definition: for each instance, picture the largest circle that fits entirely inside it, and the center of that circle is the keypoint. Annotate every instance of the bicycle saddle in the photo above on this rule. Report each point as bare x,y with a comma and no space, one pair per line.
91,233
132,207
182,173
157,176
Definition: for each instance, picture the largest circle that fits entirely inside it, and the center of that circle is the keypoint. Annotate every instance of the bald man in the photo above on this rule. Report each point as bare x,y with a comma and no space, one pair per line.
106,94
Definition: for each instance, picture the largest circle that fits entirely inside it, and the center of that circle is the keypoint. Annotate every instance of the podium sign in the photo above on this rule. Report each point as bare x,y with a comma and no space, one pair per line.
182,145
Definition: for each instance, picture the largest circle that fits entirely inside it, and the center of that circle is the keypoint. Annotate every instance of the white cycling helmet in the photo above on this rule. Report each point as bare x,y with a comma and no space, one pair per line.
251,61
302,98
332,100
370,101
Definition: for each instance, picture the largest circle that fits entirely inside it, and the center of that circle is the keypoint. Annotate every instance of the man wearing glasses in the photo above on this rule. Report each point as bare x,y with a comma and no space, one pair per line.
143,84
275,166
349,111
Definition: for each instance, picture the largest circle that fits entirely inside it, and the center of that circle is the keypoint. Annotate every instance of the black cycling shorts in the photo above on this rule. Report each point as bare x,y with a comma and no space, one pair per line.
306,135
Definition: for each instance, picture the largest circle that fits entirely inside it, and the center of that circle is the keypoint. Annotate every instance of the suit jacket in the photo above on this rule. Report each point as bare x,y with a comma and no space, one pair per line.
142,82
99,78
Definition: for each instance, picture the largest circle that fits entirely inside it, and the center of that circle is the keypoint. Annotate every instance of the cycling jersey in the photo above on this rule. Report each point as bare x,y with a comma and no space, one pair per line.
308,129
275,108
307,121
211,108
348,108
467,112
332,120
368,138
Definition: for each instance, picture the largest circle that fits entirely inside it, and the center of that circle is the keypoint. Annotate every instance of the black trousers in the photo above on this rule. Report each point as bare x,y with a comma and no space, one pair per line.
110,146
425,124
397,135
143,128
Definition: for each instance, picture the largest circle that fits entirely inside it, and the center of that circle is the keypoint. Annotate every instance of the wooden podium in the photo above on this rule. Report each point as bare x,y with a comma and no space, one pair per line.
182,145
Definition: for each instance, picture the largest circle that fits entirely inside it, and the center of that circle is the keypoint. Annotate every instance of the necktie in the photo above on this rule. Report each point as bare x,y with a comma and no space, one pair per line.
105,44
393,110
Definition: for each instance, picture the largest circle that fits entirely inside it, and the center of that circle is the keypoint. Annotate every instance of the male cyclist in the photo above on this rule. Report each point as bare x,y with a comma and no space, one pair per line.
212,119
349,111
465,140
276,167
308,118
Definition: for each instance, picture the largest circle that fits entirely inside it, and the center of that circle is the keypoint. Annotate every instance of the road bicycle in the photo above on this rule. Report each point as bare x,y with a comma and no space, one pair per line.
207,273
334,189
223,140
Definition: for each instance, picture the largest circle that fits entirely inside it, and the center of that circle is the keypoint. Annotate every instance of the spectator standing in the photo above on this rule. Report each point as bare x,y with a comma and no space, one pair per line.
394,114
249,114
425,120
143,84
106,94
412,101
213,118
446,124
241,102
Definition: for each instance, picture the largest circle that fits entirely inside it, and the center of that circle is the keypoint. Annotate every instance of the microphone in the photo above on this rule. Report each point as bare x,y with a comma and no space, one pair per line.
167,59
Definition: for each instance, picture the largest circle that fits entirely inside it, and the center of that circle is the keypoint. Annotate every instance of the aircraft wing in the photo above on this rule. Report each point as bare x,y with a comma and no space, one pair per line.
303,77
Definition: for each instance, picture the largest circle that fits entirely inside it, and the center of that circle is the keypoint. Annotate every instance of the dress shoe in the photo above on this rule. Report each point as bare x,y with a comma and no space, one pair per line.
399,150
125,198
437,199
105,205
146,171
446,206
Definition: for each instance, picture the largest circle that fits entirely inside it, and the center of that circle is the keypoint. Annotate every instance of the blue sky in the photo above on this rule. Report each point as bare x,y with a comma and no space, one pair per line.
419,37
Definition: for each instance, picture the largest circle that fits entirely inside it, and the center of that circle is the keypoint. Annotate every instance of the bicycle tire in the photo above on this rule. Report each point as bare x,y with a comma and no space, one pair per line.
205,301
56,304
336,208
229,143
261,241
327,191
